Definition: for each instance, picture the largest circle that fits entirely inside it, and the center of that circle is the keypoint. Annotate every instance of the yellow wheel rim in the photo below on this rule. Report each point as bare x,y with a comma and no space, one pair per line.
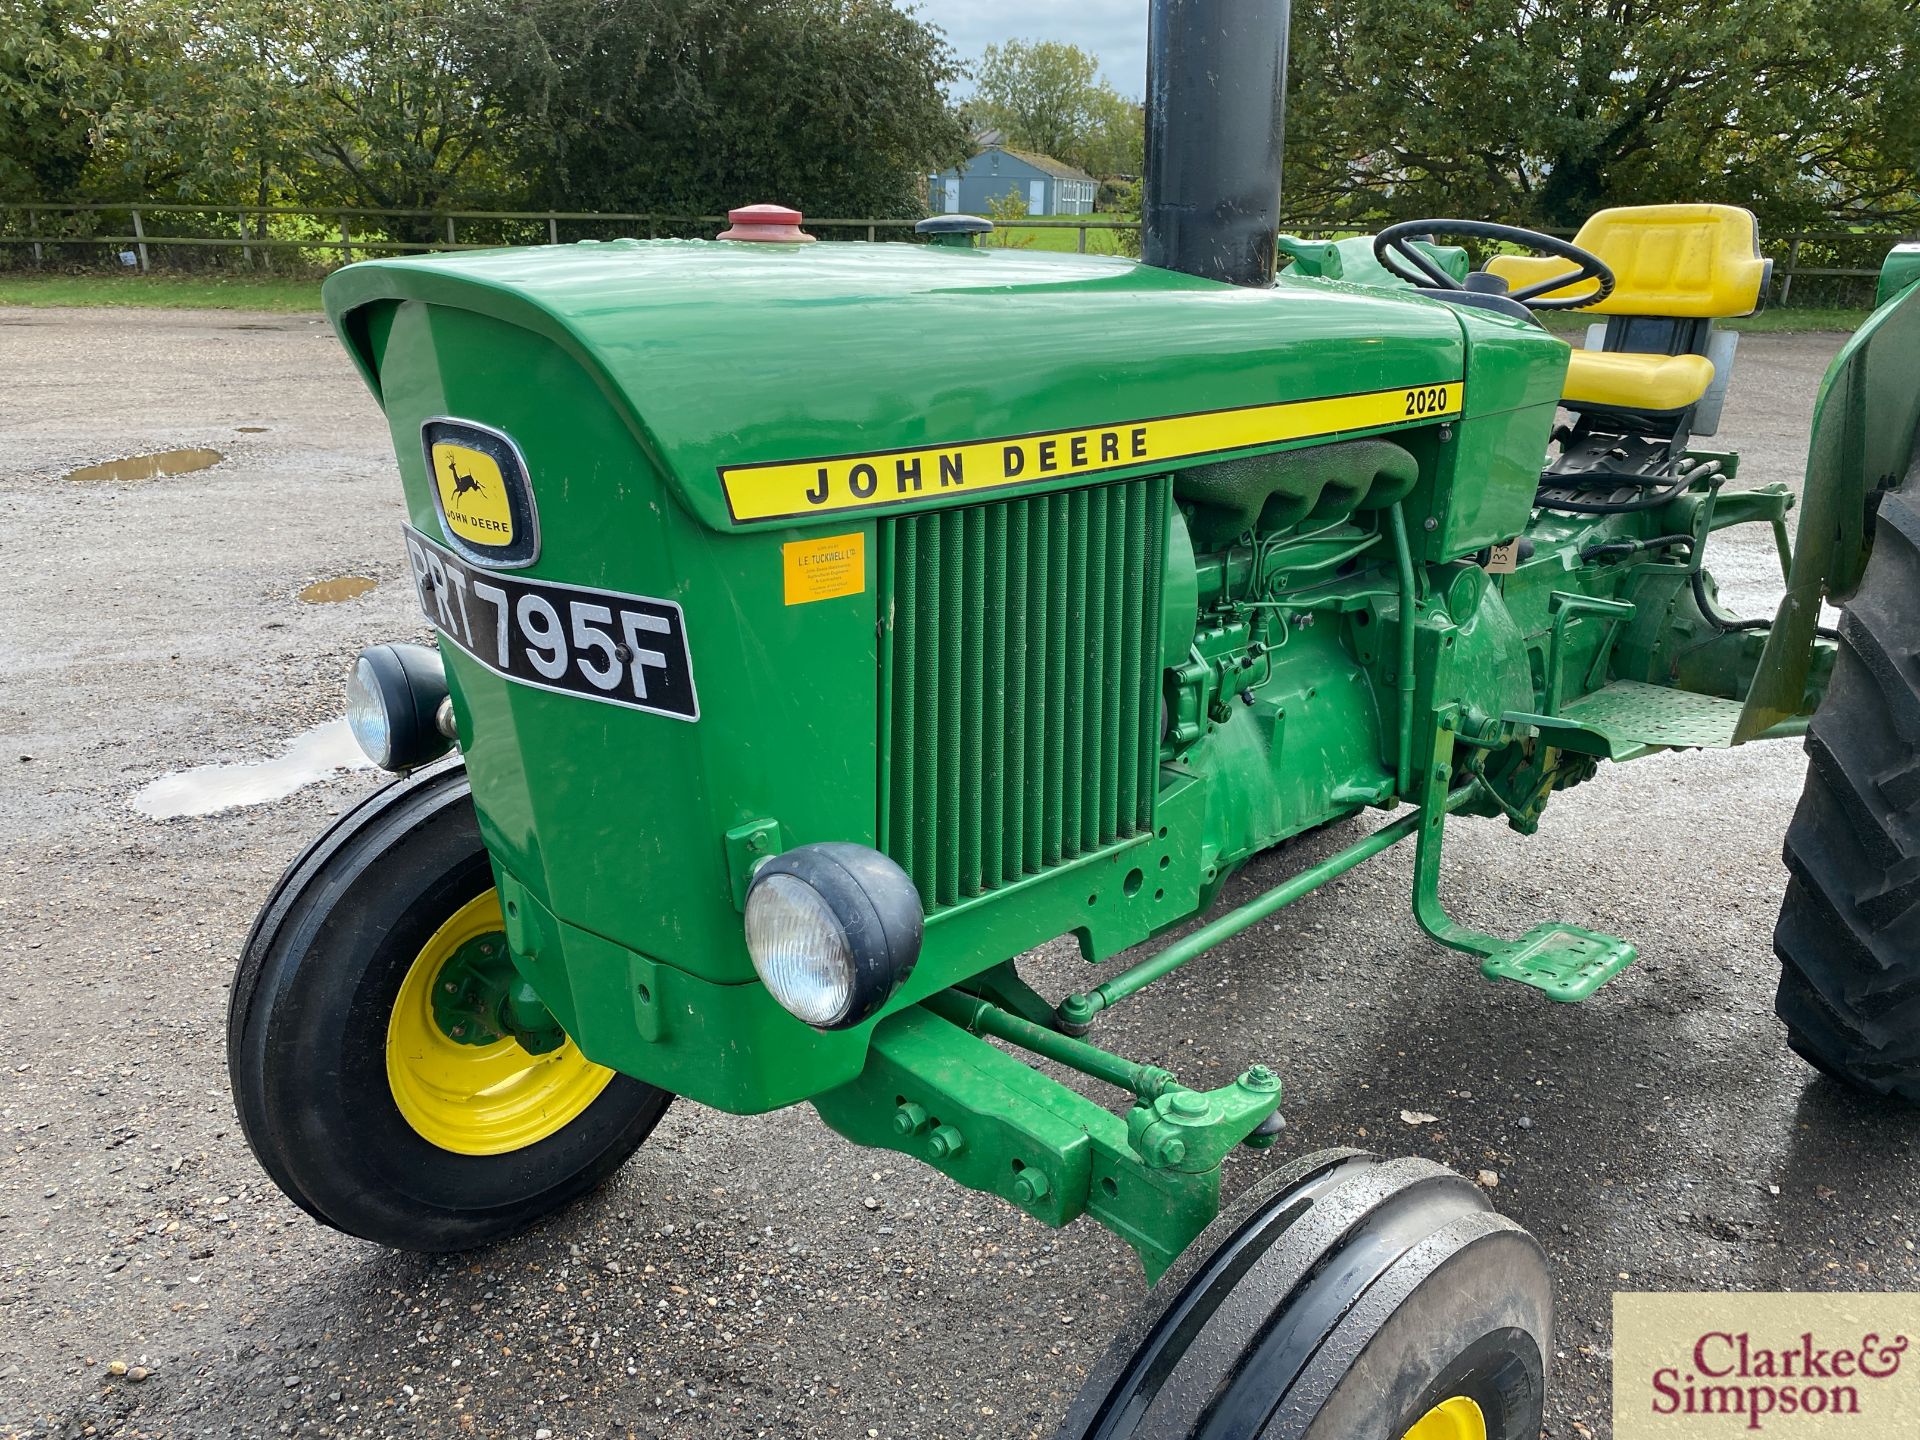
1455,1418
478,1099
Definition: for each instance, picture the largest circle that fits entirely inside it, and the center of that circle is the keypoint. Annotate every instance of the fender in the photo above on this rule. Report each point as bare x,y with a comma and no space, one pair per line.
1864,430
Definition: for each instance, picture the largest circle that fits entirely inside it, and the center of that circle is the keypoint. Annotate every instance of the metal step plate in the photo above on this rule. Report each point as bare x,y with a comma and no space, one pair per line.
1628,718
1564,962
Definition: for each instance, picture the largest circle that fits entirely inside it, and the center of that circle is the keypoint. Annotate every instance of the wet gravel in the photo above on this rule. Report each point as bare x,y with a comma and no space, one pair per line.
759,1276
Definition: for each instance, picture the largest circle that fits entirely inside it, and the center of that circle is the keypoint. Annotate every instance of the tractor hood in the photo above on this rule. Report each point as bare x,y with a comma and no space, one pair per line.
777,385
698,524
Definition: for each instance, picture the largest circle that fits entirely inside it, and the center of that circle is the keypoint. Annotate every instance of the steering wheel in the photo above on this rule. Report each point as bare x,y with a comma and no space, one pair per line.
1392,247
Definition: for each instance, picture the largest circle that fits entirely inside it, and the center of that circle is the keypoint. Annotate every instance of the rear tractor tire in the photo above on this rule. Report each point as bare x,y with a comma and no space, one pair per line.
370,1096
1848,937
1344,1298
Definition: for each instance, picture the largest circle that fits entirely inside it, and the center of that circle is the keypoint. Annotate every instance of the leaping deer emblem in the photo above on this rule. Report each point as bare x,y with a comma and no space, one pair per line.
463,484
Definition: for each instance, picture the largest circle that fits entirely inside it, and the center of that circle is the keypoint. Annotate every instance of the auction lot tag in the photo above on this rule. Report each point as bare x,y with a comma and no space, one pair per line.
1801,1367
824,569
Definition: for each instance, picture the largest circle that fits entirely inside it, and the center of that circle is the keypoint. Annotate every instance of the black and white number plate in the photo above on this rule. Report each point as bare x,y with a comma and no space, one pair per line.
623,649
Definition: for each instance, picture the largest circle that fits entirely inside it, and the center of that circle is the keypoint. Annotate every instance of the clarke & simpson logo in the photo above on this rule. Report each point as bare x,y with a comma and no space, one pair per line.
1790,1366
1733,1375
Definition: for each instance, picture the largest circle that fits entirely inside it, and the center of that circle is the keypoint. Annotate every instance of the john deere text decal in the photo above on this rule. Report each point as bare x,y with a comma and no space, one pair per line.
786,489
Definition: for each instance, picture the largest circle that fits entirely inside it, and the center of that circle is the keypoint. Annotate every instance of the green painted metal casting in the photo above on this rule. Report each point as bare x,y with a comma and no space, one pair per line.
939,1093
479,998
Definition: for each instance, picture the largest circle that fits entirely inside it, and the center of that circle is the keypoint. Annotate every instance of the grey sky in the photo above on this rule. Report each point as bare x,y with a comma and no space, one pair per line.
1114,30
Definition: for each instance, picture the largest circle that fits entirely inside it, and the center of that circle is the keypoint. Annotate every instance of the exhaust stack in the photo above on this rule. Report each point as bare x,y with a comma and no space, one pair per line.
1216,114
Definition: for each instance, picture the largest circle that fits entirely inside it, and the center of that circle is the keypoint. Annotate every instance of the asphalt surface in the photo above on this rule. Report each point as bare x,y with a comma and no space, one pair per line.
759,1276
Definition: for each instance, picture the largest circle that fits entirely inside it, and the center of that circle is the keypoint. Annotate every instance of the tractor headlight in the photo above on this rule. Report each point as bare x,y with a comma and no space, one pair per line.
833,929
393,701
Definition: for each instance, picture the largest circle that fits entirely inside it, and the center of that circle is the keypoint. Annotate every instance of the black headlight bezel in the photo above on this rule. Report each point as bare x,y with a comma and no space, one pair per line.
410,681
878,910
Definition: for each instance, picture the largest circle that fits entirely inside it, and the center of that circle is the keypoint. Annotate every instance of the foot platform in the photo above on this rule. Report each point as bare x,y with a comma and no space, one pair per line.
1563,962
1628,719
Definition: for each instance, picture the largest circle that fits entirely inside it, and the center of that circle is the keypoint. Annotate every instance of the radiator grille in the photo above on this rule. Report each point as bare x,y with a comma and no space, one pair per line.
1020,683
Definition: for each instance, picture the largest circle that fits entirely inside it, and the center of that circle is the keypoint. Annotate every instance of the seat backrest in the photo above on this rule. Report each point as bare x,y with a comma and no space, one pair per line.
1697,261
1685,261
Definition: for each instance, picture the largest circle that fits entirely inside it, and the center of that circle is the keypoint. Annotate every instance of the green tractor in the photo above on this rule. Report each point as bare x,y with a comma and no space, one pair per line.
802,667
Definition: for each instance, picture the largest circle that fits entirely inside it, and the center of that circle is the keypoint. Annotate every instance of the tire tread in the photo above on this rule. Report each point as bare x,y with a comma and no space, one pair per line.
1848,936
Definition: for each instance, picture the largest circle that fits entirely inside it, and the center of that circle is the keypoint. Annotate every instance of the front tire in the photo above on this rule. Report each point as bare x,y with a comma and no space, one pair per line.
368,1115
1344,1298
1848,937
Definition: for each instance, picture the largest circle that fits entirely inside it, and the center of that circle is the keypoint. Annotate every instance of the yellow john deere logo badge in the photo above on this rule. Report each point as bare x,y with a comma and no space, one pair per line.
473,494
482,493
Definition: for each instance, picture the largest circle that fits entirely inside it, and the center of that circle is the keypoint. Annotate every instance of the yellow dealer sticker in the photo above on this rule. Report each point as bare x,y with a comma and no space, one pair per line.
787,489
824,569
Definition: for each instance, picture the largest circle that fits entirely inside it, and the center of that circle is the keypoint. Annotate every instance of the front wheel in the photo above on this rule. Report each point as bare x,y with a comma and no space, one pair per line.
1344,1298
372,1072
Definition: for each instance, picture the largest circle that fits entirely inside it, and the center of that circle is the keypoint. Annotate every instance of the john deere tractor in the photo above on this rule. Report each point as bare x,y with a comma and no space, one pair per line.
798,669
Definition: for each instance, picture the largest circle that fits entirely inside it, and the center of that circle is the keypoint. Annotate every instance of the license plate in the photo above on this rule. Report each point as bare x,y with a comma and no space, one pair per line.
620,649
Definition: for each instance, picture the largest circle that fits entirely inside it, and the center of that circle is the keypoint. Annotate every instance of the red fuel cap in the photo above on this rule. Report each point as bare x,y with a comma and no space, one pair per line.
767,224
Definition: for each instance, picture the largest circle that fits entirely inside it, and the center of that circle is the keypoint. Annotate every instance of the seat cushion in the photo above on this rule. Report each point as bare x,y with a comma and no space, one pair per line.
1625,380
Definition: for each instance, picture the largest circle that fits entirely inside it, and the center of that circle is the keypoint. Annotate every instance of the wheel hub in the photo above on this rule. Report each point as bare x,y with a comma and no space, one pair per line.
1455,1418
476,1064
480,998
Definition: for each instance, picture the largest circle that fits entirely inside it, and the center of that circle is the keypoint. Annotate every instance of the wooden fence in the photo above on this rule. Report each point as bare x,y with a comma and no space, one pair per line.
1835,267
346,233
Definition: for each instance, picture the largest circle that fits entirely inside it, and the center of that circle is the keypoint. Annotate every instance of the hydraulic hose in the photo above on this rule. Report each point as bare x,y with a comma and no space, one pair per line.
1727,625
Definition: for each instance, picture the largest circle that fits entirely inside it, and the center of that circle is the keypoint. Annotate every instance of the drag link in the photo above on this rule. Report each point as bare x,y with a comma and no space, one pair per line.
1145,1082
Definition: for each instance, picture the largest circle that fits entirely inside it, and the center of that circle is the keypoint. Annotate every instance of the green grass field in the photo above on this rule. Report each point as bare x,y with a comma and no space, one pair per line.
1786,322
1028,237
186,292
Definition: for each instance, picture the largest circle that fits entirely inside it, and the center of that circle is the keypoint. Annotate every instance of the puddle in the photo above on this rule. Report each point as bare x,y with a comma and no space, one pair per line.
148,467
341,587
209,789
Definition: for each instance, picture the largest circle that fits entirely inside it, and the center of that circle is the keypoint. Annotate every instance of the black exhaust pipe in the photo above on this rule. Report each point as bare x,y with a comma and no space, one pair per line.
1216,115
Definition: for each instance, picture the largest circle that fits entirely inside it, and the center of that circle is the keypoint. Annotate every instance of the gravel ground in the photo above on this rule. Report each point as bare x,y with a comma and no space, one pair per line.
759,1276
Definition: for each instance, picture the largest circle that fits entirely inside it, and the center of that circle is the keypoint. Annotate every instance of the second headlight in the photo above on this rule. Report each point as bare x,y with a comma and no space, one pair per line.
833,930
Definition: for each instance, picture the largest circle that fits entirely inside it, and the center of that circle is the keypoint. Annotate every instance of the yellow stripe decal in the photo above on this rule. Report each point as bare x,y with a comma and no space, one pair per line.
793,488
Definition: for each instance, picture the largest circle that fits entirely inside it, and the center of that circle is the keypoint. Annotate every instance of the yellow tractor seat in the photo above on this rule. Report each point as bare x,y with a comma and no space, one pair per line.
1685,261
1623,380
1676,269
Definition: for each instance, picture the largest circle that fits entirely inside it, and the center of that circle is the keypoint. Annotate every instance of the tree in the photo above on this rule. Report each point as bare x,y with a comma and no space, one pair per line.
693,106
1041,94
1544,110
371,103
58,63
216,113
1048,97
403,115
1116,141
